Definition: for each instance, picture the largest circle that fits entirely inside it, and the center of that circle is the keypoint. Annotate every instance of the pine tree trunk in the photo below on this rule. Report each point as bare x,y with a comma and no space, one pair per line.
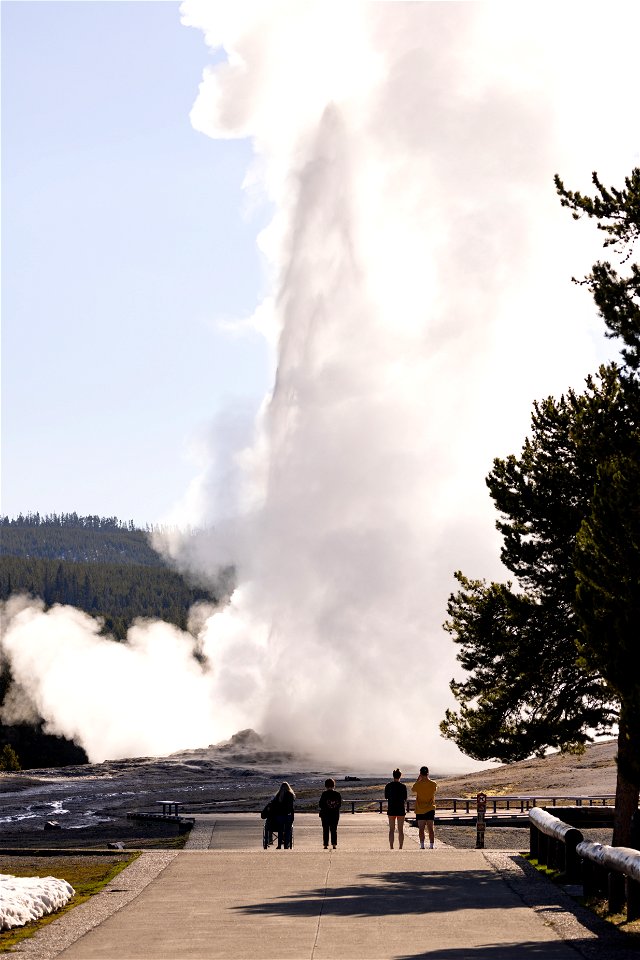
627,785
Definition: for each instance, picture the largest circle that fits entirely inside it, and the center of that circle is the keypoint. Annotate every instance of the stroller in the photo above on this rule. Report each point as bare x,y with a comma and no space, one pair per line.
270,831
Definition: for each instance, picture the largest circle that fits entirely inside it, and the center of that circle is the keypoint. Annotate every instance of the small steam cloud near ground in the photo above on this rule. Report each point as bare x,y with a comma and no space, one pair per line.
422,300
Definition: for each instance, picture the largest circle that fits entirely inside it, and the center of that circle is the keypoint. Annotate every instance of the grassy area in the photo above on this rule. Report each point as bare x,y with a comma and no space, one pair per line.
597,905
86,874
630,927
548,872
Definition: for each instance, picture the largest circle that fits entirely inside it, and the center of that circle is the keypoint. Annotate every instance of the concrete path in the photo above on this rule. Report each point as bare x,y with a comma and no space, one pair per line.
231,899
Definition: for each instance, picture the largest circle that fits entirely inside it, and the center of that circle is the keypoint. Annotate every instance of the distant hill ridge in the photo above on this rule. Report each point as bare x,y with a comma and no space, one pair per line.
70,537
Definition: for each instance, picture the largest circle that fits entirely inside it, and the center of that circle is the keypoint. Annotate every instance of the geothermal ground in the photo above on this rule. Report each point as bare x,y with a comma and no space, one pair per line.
90,802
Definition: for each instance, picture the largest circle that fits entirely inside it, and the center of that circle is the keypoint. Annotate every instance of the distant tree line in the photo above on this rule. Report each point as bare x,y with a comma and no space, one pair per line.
67,520
67,536
118,593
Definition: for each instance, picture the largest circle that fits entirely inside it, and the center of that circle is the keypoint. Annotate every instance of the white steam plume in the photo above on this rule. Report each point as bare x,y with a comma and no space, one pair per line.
146,697
422,301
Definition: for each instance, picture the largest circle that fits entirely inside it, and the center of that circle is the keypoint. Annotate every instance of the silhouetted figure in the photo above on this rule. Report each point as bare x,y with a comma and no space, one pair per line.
330,802
281,812
396,796
425,791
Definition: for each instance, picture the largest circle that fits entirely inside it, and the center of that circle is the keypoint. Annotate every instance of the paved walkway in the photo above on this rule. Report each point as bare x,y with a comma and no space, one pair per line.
226,897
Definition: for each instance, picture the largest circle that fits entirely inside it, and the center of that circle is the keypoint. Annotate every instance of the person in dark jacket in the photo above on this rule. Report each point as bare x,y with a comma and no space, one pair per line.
330,802
396,795
281,811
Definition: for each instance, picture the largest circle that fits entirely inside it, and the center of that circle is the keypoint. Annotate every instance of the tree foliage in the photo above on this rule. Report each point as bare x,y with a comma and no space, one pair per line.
523,693
9,758
608,575
617,295
555,658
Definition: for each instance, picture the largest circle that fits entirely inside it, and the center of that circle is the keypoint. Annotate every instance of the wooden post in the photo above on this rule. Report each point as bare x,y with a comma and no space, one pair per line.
633,899
615,891
533,840
481,810
587,877
543,849
571,864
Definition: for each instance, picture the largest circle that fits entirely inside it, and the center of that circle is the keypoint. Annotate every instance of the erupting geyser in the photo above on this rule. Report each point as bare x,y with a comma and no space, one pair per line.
422,301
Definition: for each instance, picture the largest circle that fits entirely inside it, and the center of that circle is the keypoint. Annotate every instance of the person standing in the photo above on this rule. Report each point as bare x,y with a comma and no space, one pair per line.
330,803
425,791
396,796
281,810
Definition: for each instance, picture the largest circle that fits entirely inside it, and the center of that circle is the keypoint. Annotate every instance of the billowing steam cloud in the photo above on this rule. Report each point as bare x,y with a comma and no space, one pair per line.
422,301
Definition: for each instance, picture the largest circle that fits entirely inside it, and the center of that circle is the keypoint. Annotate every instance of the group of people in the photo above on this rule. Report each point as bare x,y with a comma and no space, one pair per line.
280,810
398,806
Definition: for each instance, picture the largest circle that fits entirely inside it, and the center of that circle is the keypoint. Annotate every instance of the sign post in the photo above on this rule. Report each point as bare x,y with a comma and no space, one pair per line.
481,806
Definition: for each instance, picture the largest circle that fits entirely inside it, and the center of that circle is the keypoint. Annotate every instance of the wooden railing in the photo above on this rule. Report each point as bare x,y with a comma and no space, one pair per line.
553,843
495,804
515,804
613,872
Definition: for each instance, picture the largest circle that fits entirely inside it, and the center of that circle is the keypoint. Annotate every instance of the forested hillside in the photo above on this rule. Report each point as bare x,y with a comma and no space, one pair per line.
118,593
67,536
101,565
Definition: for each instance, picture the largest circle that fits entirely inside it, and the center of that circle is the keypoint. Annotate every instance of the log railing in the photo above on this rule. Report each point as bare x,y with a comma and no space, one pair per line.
613,872
553,843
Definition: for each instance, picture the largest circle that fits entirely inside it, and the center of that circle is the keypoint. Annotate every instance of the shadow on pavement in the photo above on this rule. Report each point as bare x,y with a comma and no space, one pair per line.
394,893
518,950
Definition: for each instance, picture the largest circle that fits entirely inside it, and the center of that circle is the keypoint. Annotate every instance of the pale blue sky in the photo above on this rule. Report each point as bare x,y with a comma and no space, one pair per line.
126,238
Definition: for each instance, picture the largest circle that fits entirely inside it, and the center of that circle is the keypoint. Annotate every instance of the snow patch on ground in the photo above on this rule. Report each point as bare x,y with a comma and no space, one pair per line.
23,899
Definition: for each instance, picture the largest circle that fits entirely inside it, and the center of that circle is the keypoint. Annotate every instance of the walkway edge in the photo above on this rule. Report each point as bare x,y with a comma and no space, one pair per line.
589,935
51,940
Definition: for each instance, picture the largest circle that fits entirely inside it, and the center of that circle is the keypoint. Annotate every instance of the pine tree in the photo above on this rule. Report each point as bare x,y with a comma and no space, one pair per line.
556,659
9,758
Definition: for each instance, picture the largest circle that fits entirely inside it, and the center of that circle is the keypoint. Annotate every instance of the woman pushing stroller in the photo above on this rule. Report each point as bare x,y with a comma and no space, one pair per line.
281,814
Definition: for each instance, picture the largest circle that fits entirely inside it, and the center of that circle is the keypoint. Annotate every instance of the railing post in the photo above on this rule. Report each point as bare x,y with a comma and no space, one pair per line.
633,899
481,809
543,849
571,865
533,841
587,878
615,891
